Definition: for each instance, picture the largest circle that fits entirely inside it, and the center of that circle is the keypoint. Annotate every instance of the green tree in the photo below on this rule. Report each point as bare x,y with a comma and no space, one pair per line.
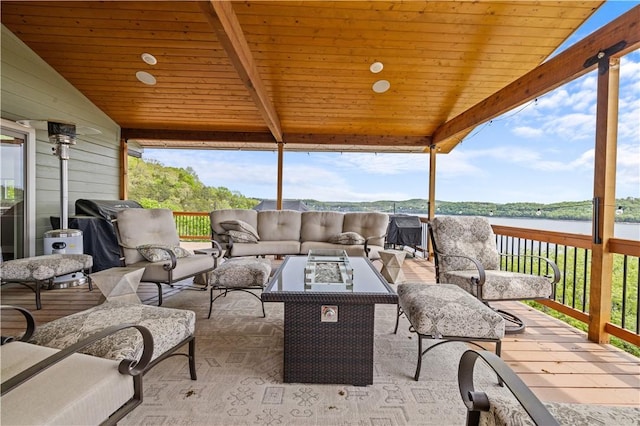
154,185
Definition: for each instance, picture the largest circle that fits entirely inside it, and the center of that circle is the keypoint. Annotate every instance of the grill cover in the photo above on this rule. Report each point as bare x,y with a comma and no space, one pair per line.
105,209
404,230
93,218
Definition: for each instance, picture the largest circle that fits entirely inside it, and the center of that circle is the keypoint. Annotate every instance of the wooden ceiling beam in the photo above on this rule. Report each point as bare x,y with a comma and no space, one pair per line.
196,135
182,136
356,139
564,67
224,22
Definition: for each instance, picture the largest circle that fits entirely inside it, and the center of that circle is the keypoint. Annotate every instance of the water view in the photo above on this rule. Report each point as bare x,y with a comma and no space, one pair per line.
627,231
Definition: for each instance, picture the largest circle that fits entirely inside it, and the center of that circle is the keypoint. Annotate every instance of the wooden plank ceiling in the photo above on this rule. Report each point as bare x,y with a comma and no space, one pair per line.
244,75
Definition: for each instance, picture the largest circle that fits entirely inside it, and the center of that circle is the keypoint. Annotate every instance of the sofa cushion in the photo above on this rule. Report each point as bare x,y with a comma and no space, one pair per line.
352,250
242,237
279,225
79,390
155,272
369,224
320,226
267,248
240,226
158,252
145,226
249,216
347,238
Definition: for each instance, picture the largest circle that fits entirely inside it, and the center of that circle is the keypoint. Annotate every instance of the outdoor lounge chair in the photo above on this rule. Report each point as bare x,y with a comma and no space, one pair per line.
148,238
524,408
466,255
43,385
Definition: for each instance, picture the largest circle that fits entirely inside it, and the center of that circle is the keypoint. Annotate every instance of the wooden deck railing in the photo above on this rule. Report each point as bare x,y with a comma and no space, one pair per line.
193,226
572,253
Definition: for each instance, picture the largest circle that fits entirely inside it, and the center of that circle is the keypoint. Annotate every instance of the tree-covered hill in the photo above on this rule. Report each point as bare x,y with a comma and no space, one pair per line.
155,185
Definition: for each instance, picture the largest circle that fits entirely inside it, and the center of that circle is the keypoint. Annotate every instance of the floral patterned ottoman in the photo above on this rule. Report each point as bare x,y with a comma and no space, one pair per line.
170,328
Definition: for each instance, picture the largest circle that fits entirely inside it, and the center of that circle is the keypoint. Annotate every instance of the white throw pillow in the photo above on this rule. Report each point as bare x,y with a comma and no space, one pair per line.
158,253
239,225
347,238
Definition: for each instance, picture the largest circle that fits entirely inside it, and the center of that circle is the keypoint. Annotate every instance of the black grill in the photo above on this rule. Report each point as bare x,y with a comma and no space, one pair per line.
404,230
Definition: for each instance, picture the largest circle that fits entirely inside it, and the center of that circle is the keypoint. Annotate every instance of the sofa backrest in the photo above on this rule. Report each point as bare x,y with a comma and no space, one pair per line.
320,226
218,216
279,225
367,224
145,226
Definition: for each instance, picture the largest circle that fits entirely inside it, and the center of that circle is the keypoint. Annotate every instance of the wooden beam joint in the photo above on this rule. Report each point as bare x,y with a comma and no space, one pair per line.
602,57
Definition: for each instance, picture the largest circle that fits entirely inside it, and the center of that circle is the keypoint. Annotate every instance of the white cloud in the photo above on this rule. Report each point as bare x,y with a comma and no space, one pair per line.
528,132
378,164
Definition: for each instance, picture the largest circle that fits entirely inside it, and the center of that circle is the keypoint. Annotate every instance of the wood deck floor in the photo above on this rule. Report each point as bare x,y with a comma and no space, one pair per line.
554,359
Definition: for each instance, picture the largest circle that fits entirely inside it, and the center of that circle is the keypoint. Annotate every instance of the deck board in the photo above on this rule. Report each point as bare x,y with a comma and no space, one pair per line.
554,359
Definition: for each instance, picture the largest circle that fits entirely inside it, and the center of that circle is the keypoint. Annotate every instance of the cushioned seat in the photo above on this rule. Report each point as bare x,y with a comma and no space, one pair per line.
239,274
80,389
446,312
39,270
170,328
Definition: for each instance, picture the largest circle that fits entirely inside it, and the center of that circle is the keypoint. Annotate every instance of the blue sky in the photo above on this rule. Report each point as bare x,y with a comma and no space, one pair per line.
542,152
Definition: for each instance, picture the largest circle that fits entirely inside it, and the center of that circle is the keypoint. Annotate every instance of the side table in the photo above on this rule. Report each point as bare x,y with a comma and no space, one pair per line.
119,284
392,261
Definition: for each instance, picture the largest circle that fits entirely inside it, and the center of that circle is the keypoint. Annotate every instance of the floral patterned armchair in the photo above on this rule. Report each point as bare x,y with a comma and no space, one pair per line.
466,255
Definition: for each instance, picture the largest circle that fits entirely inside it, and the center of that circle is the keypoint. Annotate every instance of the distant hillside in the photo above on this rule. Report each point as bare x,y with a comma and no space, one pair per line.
575,210
155,185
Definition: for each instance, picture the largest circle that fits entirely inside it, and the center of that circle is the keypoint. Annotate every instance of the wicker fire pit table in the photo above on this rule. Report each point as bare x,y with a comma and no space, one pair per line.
328,329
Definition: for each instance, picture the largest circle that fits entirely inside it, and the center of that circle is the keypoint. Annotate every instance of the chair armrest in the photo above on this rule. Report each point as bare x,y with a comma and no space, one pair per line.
31,324
549,262
216,245
367,250
229,247
478,401
126,366
481,274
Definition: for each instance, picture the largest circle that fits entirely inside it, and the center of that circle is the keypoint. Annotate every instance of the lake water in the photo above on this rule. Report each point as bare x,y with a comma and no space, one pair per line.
627,231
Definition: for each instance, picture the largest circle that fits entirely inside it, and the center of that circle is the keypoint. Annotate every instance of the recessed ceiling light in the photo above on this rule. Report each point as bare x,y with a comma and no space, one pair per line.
146,78
376,67
149,58
381,86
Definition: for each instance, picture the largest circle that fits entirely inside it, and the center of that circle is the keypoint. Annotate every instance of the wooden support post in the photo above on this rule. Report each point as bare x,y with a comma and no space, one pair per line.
124,169
280,166
604,198
432,191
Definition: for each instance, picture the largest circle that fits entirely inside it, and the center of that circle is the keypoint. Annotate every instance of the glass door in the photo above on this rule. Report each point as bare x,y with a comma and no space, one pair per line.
14,206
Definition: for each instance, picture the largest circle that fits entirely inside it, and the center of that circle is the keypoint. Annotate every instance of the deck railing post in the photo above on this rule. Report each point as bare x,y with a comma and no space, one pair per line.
604,193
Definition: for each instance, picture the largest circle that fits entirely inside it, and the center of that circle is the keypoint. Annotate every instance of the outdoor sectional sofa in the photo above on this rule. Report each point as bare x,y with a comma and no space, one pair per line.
245,232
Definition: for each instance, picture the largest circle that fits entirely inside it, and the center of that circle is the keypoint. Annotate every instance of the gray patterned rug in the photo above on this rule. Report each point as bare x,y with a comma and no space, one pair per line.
239,363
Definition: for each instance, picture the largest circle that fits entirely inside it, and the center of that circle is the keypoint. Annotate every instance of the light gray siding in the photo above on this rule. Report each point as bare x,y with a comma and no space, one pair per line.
31,89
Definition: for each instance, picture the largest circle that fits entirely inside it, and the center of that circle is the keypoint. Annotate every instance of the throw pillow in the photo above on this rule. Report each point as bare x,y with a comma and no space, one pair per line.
347,238
242,237
158,253
239,225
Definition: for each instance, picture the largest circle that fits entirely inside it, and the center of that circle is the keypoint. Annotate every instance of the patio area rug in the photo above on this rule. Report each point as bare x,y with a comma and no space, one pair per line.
240,363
